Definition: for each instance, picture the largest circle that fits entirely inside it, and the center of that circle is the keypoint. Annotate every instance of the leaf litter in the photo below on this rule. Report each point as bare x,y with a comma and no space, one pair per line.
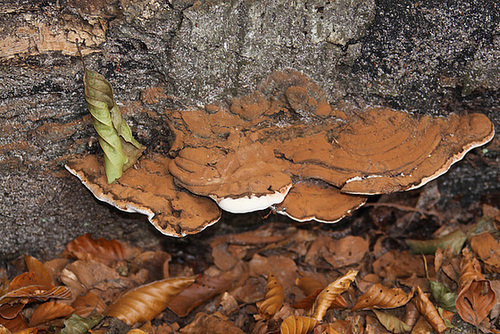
363,276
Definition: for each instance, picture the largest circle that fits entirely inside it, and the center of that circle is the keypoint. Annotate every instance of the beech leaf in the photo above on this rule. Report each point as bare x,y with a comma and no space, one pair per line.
391,322
475,298
379,296
427,309
205,288
49,311
454,240
121,150
211,323
275,295
326,297
80,325
297,325
105,251
443,295
147,301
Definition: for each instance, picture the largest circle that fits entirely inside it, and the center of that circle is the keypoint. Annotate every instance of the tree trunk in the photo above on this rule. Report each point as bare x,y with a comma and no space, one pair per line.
428,57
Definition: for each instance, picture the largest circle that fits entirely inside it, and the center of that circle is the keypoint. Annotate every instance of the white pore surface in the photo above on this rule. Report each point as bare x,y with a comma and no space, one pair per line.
252,203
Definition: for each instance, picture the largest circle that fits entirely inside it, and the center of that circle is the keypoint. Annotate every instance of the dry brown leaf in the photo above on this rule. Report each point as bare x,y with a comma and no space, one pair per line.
136,331
422,327
228,303
39,269
326,297
475,298
339,253
205,288
31,330
49,311
105,251
90,302
308,302
475,302
157,264
147,301
470,270
488,250
8,311
391,322
211,324
15,324
411,314
427,309
297,325
379,296
398,264
274,297
309,285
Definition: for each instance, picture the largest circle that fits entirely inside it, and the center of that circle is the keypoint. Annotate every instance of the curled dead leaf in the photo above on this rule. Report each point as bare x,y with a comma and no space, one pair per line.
326,297
147,301
297,325
274,297
106,251
427,309
475,298
379,296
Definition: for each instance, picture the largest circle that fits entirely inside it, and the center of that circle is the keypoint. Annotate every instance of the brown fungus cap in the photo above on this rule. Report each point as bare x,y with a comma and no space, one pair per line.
149,188
284,146
284,132
317,200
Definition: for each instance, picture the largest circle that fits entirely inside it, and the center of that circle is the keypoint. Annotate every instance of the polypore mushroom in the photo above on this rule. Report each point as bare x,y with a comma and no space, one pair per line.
255,150
148,188
285,147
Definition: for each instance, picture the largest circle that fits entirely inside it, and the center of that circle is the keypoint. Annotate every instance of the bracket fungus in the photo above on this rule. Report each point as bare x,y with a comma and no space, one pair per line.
283,146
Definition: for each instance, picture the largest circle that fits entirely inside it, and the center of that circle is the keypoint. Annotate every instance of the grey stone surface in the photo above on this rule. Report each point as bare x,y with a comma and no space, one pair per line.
425,57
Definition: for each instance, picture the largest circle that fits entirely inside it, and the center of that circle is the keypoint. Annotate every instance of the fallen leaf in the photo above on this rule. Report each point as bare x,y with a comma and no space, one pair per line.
422,327
326,297
475,298
427,309
205,288
297,325
15,324
102,250
488,250
274,297
90,302
338,253
211,324
379,296
33,265
80,325
398,264
147,301
443,295
454,240
49,311
309,285
391,322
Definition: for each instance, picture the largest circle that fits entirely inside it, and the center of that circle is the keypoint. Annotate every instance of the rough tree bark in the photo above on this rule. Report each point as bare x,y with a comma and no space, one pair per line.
424,57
